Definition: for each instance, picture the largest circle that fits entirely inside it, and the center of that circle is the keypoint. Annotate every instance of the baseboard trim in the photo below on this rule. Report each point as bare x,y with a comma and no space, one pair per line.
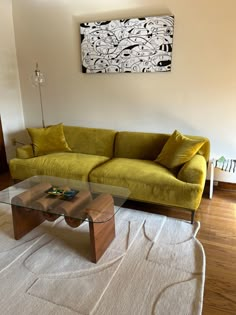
223,185
229,186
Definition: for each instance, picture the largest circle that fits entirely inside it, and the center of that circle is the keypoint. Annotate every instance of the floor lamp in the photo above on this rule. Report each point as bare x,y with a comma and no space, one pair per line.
38,80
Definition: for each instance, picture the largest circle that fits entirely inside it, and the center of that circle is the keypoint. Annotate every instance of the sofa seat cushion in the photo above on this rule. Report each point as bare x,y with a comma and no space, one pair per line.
64,164
148,182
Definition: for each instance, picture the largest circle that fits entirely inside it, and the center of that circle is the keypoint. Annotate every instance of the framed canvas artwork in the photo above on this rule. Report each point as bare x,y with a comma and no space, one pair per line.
127,45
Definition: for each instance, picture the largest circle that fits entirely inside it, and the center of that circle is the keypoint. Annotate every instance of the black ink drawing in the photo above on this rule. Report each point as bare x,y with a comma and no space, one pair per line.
131,45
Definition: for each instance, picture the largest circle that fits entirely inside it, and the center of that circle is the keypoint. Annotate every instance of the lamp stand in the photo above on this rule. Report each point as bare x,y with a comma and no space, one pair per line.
41,105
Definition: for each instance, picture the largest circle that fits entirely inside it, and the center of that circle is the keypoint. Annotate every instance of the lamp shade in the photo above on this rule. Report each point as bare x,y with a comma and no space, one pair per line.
37,77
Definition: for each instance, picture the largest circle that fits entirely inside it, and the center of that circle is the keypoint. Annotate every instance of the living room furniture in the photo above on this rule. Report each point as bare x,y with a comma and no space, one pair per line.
41,198
226,165
138,161
3,159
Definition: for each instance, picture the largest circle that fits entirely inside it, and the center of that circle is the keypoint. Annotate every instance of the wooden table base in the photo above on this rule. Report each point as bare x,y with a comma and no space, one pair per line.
102,230
25,220
101,235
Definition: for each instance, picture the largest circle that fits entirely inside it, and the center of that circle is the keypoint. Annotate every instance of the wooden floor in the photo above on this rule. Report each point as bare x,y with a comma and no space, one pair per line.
218,237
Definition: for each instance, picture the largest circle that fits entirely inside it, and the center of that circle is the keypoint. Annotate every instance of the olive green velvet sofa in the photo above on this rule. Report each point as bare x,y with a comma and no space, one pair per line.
121,158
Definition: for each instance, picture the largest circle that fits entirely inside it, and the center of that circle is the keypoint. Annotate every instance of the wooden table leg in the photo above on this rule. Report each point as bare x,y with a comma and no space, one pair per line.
101,233
25,220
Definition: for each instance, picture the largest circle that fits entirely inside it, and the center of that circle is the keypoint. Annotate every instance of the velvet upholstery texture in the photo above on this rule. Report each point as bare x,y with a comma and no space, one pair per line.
90,140
123,159
48,140
65,165
147,146
25,152
178,150
194,171
149,182
139,145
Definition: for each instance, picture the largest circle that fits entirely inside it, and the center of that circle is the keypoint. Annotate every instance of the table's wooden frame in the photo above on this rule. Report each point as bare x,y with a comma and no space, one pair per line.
101,233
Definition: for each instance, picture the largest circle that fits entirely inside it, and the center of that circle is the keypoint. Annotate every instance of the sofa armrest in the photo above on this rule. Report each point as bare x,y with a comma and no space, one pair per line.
25,152
194,171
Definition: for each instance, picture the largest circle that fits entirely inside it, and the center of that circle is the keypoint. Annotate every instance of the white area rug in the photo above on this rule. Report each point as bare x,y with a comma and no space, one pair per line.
155,265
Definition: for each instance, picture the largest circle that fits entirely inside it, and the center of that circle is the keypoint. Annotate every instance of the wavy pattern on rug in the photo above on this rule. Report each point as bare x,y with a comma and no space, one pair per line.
155,265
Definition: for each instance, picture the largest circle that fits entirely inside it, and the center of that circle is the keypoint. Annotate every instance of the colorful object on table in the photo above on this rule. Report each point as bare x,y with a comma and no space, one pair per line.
65,194
227,165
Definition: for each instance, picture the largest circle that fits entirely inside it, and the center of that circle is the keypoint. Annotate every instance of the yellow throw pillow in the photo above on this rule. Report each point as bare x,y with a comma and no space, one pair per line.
48,140
178,150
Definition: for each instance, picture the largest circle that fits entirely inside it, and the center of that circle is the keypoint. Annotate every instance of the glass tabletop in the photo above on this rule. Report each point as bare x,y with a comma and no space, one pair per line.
70,198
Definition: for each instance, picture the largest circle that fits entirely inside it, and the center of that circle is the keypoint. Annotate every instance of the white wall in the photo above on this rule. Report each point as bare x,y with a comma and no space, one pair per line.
10,101
197,97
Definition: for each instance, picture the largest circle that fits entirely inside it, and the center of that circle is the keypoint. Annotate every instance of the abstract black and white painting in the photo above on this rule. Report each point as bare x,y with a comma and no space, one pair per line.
128,45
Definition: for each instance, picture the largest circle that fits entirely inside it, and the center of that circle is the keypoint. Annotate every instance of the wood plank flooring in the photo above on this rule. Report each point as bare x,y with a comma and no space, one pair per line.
5,180
218,237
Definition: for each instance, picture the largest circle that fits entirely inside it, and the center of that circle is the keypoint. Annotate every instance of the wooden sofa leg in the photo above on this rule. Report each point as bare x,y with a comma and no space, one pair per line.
192,216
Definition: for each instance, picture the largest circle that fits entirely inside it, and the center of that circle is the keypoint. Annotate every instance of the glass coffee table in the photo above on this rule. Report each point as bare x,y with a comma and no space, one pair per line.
40,198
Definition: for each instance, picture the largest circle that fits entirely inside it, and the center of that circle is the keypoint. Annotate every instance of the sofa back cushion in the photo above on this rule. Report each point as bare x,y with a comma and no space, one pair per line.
147,146
90,140
139,145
